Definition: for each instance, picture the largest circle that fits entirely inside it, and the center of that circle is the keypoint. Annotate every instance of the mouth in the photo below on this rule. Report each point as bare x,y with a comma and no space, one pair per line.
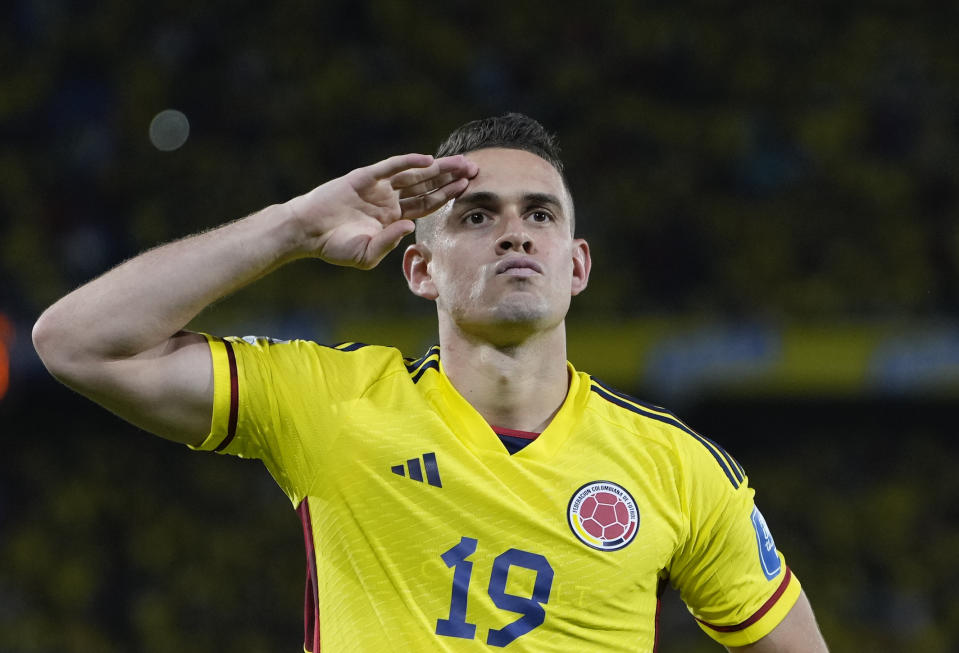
519,266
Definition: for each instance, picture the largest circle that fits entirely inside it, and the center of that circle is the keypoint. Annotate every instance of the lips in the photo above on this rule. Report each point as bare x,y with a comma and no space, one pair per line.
519,263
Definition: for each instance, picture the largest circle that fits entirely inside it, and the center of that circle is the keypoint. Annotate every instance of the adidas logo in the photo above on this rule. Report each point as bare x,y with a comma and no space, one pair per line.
416,470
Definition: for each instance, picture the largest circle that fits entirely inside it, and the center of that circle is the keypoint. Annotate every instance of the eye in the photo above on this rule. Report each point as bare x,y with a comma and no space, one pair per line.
541,217
475,218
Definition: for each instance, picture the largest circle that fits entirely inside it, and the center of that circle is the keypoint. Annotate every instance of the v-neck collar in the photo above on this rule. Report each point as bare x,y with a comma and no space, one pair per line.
473,430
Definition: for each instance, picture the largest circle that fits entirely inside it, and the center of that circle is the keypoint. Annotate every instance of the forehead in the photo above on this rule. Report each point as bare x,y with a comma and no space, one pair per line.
509,172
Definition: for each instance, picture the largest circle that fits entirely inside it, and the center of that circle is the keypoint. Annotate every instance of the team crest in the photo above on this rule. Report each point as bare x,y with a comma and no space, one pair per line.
603,515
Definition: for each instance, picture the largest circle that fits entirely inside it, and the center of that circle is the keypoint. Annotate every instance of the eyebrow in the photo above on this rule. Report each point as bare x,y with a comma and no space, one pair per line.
486,198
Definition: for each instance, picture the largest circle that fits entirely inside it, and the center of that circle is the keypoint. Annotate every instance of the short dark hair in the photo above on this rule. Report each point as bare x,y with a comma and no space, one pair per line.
514,131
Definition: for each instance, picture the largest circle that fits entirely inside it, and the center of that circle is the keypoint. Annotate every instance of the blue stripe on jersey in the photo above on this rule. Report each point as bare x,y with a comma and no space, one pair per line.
432,365
417,367
350,346
733,475
733,464
411,365
630,398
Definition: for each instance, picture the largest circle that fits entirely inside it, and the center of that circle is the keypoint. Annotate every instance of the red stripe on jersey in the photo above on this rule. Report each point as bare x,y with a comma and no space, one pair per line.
660,590
311,603
526,435
759,613
234,398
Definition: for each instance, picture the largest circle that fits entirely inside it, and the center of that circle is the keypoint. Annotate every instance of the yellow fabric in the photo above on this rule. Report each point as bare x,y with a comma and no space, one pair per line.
334,427
777,612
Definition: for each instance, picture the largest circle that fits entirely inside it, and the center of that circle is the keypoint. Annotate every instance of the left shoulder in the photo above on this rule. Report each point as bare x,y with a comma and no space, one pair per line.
665,427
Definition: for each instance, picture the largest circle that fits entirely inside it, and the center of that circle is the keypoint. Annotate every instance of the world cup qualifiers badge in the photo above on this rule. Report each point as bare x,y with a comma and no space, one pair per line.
603,515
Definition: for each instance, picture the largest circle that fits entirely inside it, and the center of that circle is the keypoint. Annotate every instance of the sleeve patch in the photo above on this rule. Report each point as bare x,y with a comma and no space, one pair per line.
771,564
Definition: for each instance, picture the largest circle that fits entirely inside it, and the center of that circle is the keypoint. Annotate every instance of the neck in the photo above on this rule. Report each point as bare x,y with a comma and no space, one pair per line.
520,386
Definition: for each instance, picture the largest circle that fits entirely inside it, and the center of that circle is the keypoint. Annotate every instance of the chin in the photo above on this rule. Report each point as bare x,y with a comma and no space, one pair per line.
503,316
511,323
523,317
511,319
520,310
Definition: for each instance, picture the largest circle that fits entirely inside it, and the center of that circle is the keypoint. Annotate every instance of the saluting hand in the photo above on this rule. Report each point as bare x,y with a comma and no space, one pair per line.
355,220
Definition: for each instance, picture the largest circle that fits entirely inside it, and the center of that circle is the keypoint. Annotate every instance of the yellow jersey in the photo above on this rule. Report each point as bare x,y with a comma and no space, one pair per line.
424,534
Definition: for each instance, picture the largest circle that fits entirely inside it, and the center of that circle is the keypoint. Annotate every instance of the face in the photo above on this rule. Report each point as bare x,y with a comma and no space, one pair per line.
501,262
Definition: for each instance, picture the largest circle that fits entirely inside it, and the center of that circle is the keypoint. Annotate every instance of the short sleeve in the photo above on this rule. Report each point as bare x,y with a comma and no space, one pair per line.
280,401
728,571
225,399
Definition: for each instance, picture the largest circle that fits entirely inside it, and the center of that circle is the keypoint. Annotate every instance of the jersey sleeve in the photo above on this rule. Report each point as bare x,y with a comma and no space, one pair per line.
728,571
279,401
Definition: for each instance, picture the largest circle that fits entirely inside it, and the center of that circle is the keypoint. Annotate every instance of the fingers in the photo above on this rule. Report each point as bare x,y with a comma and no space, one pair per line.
396,164
413,185
420,205
438,174
385,241
422,182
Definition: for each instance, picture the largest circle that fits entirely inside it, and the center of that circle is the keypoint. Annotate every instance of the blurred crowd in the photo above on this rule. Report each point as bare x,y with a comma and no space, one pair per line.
757,158
737,161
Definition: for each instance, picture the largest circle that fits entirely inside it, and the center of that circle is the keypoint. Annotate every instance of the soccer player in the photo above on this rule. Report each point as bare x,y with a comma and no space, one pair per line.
485,495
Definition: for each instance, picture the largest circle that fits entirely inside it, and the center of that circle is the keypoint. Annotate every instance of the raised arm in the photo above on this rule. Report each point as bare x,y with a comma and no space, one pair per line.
119,339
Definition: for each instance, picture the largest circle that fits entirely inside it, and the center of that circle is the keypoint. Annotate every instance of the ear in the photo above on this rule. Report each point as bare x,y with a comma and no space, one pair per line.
582,263
416,261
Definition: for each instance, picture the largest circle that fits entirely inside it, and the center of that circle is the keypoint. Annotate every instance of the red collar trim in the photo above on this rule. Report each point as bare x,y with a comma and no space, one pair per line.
526,435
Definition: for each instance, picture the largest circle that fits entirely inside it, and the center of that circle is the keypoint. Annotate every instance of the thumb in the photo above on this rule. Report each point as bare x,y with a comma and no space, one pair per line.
386,240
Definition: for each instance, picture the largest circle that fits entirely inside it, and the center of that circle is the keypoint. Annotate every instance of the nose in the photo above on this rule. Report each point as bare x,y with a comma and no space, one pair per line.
515,238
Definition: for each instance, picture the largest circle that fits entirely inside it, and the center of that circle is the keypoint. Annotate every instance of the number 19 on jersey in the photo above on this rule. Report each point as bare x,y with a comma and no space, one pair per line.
455,625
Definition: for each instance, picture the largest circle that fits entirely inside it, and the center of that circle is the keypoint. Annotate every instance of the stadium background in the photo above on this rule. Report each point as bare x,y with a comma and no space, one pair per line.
771,198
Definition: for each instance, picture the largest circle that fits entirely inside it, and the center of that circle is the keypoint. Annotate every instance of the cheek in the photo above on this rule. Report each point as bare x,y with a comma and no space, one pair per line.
456,281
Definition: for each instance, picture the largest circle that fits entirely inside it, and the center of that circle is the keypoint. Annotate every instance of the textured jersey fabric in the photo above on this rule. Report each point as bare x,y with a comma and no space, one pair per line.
424,534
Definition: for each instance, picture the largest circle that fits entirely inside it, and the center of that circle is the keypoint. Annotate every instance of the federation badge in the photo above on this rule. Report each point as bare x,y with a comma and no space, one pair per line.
603,515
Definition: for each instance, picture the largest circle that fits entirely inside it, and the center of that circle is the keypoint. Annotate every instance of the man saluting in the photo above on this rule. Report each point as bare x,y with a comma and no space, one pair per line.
487,494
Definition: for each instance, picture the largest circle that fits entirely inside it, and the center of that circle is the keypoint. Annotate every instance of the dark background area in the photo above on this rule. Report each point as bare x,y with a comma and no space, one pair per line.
785,164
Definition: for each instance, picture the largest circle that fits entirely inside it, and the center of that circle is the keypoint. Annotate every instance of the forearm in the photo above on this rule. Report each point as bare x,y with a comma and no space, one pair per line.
143,302
116,340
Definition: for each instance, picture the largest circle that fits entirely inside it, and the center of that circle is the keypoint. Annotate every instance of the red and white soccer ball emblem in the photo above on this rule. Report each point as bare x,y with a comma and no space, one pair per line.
603,515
